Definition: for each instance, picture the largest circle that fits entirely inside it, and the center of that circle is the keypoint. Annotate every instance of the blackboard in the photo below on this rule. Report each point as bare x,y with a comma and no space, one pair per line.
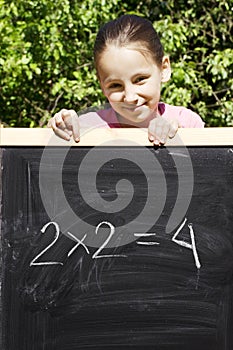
75,277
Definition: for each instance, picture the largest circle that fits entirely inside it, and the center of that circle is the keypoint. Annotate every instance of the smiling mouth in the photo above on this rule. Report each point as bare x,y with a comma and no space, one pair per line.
133,107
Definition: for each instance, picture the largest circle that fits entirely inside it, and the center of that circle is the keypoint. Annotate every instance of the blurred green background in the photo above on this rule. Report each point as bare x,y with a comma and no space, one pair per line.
46,59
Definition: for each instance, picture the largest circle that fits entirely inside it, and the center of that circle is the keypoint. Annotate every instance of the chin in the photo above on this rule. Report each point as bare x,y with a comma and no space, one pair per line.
138,122
141,118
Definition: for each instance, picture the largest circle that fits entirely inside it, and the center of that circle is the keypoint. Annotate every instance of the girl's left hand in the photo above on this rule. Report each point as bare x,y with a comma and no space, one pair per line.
160,129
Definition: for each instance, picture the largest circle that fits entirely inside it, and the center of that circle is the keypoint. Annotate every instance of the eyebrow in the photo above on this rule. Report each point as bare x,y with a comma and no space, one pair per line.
110,79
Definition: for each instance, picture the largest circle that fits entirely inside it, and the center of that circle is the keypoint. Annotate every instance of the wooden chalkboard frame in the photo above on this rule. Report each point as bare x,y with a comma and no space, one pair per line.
21,137
93,137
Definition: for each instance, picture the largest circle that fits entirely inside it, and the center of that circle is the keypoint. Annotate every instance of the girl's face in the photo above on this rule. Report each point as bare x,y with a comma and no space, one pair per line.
131,81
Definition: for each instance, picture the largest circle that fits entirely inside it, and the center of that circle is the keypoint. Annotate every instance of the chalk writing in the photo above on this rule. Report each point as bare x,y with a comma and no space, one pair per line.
191,246
145,235
47,248
96,255
80,242
112,231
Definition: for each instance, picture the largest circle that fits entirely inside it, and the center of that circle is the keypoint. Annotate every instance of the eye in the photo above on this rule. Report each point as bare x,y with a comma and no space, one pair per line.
114,86
141,79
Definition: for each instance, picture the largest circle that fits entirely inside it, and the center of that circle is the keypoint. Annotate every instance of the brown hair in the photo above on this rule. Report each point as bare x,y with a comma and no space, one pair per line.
126,30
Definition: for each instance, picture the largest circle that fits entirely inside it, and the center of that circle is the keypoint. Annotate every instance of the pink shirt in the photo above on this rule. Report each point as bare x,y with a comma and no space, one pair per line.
107,118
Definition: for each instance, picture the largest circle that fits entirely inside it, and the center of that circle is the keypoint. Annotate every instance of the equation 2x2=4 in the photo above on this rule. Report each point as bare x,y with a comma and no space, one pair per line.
98,254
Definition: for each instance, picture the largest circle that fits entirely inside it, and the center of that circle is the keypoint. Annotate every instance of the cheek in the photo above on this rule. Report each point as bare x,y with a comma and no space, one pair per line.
114,96
154,87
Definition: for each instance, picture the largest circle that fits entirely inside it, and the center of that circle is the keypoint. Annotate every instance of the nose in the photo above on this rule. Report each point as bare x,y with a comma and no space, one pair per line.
130,94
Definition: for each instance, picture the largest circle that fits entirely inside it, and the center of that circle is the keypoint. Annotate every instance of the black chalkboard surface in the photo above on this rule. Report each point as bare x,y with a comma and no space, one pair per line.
79,274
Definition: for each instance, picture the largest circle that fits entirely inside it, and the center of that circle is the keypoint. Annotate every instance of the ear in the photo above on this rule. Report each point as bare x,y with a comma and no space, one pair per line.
166,69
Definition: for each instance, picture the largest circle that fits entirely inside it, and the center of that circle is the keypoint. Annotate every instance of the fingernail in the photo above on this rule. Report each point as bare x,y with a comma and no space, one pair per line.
66,135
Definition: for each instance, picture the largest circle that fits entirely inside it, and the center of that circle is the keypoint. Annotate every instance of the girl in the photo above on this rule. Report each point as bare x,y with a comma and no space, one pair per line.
131,67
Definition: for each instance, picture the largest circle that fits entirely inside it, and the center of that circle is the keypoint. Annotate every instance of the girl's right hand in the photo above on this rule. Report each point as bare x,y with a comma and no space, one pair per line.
65,124
161,128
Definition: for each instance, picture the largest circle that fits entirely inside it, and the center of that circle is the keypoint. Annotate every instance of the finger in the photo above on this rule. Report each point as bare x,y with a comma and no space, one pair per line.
57,121
162,133
71,121
65,124
173,130
64,134
57,127
157,133
151,128
172,133
64,119
75,128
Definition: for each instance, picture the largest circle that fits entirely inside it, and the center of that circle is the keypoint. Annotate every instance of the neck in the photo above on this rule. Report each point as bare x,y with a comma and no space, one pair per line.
124,123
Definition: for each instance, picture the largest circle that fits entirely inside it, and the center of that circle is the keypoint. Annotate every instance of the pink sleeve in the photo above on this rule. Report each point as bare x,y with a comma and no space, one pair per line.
185,117
189,119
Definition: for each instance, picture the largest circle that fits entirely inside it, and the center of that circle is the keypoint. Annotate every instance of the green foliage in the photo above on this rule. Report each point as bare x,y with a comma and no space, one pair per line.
46,59
199,40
